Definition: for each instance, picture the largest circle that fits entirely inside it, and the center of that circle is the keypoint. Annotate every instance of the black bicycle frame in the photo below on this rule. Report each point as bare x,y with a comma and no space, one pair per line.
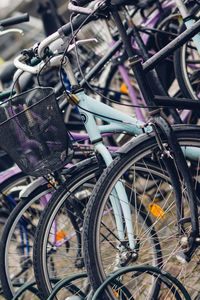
153,61
162,125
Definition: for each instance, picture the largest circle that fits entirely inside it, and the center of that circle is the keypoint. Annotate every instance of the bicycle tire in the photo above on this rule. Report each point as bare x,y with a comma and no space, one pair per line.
61,201
100,257
9,195
9,198
15,265
20,210
187,77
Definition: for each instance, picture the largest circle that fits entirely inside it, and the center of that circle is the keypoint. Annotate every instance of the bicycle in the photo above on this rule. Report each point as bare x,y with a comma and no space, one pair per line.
92,237
15,223
165,54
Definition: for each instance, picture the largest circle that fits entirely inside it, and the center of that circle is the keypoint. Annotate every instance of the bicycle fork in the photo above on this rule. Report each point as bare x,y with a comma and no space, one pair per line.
119,200
176,165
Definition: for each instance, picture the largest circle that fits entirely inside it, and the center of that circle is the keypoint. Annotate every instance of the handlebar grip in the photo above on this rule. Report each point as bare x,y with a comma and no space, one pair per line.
80,2
15,20
76,22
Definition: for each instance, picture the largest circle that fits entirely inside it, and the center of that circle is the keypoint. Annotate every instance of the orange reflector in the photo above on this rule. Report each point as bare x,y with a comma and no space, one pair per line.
60,235
50,185
116,294
123,89
157,211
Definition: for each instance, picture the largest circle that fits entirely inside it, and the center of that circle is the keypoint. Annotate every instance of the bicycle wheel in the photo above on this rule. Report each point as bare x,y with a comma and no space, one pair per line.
58,240
12,182
17,242
147,185
187,63
67,206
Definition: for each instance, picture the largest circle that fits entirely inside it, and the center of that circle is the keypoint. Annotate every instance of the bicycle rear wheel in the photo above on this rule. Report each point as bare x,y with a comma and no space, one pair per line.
148,186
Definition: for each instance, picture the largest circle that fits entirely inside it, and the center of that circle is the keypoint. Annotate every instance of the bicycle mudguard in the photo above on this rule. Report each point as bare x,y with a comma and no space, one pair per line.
9,173
31,187
134,142
68,172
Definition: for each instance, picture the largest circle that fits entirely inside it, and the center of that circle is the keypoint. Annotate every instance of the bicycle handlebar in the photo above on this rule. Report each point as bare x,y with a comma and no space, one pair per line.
79,9
37,63
66,29
15,20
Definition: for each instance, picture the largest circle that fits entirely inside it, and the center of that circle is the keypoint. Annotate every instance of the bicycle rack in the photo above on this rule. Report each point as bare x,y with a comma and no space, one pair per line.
170,281
62,283
28,286
167,278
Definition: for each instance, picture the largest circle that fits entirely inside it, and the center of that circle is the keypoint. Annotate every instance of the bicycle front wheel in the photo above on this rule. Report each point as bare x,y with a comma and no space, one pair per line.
58,239
153,209
66,207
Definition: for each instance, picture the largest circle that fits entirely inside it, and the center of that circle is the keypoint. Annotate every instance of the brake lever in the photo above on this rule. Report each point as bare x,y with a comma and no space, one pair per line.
79,9
86,10
71,47
11,30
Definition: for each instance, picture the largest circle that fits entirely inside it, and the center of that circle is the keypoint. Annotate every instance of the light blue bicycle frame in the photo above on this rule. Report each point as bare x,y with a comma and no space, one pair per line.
118,121
89,108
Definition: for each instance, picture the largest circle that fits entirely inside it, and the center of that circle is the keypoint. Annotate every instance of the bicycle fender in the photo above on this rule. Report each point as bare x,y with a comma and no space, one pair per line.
31,187
133,143
9,173
68,172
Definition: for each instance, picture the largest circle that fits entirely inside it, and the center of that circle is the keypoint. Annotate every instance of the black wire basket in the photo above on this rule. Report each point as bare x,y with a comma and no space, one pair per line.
33,133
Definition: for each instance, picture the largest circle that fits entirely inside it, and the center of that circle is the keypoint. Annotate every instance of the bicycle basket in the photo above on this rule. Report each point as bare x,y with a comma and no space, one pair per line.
33,132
